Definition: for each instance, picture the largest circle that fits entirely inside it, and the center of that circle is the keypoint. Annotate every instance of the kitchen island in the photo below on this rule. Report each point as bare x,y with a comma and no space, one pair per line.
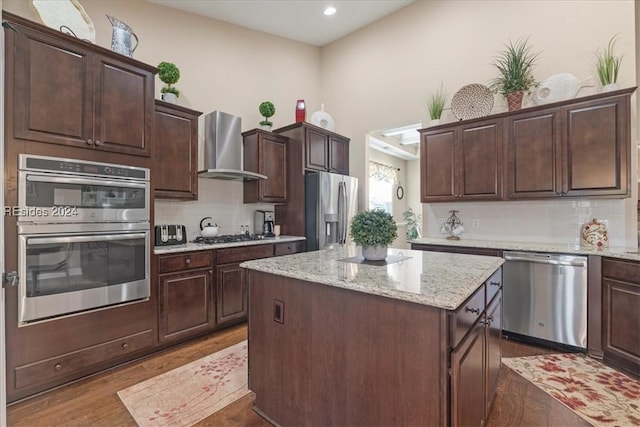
335,341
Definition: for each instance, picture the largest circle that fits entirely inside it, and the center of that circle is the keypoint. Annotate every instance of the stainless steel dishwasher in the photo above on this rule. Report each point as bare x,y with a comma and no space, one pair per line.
545,297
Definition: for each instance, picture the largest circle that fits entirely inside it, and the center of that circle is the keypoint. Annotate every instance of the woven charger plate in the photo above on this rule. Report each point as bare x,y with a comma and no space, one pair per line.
472,101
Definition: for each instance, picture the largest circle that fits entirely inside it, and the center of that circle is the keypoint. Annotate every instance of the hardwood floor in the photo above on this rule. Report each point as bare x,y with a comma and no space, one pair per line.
93,401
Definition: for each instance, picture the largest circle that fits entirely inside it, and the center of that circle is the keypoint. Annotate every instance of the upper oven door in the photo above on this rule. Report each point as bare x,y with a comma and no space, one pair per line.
58,198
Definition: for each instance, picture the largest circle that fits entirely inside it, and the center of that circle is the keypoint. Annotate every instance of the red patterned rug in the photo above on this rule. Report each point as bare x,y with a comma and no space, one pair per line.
192,392
597,393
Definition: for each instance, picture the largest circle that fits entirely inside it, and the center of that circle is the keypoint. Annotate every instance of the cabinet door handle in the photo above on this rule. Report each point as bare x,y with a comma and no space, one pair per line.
494,283
125,346
187,261
472,310
89,141
57,367
98,142
489,320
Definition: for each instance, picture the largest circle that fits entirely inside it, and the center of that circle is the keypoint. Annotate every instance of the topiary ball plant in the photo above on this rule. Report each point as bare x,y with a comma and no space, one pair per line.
267,109
169,74
373,228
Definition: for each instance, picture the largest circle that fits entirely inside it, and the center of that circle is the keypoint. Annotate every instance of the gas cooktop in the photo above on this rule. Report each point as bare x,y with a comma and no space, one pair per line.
228,238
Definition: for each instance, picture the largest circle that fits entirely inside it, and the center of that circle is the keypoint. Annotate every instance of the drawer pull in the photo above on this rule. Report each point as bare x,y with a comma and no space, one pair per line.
125,346
489,320
57,367
472,310
89,142
494,283
98,142
187,261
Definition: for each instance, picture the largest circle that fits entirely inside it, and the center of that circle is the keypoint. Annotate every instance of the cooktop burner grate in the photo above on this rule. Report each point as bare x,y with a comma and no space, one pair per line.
227,238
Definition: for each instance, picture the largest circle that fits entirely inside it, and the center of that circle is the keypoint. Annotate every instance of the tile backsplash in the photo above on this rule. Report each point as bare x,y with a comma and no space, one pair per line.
543,221
219,199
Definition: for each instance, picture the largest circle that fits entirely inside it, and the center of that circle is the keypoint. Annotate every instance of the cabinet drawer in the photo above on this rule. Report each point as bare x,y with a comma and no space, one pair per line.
493,284
244,253
76,361
466,315
170,263
626,271
289,248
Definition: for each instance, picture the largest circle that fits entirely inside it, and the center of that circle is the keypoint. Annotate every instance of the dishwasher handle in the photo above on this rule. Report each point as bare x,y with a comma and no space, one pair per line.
575,262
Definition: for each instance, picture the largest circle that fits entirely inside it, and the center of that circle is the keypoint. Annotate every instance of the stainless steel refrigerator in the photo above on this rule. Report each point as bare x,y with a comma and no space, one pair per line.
331,201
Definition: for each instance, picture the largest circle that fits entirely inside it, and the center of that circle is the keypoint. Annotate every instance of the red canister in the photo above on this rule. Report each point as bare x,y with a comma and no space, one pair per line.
301,111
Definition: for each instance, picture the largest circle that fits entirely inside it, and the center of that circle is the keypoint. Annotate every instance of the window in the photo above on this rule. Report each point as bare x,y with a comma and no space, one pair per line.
382,180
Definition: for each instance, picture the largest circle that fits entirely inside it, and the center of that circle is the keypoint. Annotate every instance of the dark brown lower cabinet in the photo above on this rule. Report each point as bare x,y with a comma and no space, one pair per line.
621,314
467,379
185,304
231,295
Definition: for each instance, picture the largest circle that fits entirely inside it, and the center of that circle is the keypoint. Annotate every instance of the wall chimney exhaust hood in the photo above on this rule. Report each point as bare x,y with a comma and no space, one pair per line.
223,148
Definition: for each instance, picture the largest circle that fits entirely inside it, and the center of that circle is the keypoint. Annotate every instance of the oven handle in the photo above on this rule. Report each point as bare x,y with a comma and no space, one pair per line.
80,239
86,181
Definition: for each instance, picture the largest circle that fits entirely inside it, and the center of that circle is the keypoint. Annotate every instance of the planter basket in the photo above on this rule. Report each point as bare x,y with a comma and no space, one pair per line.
514,100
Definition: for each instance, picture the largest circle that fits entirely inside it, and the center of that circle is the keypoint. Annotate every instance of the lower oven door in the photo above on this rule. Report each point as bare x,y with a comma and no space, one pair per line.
66,273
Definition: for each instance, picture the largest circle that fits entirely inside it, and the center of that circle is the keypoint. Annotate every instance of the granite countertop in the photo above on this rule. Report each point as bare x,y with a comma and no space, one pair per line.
159,250
442,280
631,253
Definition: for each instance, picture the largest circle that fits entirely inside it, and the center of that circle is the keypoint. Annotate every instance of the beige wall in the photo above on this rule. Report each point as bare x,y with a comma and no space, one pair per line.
377,78
380,76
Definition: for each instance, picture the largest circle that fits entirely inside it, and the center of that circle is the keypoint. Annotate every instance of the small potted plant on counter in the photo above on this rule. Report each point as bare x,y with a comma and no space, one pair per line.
169,74
608,66
267,109
374,230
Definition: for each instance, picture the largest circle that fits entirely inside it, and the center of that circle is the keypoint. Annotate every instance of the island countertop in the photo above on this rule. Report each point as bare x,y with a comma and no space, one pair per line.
441,280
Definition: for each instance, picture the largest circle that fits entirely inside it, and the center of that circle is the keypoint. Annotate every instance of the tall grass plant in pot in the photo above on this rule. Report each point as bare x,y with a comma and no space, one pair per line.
515,65
435,105
374,230
608,66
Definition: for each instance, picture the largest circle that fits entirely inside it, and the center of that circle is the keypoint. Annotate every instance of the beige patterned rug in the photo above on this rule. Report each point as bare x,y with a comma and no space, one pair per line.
192,392
597,393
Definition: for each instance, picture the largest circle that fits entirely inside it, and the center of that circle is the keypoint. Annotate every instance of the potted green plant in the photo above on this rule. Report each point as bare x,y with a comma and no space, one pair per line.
515,65
374,230
169,74
267,109
608,66
435,105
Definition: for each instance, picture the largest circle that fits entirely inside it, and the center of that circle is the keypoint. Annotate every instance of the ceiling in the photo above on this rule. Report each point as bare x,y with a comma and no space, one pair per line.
300,20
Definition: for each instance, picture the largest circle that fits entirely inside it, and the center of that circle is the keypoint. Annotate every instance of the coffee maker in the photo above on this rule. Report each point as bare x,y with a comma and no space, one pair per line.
264,222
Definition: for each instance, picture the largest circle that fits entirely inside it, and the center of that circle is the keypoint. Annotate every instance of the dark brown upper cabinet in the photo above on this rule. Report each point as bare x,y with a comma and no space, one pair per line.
175,158
70,92
265,153
578,147
462,162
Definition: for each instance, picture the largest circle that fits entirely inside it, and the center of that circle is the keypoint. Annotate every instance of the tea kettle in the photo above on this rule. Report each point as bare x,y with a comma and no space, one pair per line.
208,230
121,37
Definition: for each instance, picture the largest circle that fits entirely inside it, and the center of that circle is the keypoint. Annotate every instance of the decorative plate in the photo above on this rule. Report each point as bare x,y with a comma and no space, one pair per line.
594,233
67,16
472,101
323,119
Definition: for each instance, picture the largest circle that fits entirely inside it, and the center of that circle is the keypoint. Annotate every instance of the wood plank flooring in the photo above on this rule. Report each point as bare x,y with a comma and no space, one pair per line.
93,401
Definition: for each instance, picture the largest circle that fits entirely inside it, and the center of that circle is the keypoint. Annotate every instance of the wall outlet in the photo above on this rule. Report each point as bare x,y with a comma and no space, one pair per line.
475,223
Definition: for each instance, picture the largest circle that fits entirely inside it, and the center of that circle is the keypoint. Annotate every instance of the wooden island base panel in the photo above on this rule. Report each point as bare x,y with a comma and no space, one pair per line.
411,343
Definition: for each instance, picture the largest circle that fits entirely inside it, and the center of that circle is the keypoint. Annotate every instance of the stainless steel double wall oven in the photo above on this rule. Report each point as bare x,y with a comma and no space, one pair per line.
83,236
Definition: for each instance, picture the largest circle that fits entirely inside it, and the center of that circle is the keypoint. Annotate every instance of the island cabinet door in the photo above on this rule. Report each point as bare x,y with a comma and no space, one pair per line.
493,323
468,379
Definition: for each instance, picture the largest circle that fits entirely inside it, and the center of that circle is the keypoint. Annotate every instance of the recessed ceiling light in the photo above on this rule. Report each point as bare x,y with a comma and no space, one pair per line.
330,11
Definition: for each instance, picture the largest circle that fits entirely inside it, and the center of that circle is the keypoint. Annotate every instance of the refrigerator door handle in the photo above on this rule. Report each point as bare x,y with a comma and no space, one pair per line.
342,212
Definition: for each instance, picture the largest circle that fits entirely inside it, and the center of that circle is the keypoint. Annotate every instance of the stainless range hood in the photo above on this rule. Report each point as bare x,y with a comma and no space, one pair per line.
223,148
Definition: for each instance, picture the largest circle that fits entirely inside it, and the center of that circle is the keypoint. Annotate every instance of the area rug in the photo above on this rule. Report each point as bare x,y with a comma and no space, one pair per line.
597,393
192,392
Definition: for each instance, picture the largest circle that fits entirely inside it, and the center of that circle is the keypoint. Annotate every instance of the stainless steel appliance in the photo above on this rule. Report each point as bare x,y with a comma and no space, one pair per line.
83,236
331,201
223,148
545,297
167,235
263,222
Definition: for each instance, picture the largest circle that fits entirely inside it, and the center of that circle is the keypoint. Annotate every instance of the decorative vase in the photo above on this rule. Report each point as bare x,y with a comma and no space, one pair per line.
514,100
434,122
266,127
609,87
374,253
170,97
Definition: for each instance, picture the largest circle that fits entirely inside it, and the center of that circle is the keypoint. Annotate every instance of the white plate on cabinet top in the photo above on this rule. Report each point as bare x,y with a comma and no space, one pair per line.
323,120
